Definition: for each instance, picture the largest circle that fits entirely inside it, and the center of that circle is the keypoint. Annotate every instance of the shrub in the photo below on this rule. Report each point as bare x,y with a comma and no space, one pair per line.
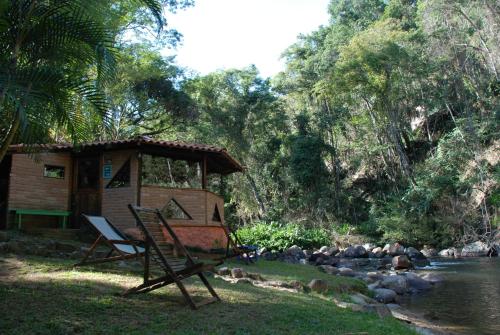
276,236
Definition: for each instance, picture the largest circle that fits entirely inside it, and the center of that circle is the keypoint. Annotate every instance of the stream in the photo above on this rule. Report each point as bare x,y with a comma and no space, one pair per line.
467,301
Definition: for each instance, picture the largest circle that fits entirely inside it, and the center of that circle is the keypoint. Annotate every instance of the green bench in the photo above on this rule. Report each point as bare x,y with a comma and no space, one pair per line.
20,212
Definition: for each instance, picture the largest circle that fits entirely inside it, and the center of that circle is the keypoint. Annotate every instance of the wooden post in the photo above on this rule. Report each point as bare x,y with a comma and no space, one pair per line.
204,172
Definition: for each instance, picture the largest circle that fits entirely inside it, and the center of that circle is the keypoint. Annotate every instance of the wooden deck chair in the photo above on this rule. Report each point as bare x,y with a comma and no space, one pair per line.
170,255
114,239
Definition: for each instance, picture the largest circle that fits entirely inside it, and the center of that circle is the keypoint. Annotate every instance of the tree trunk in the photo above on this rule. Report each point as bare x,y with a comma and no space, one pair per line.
10,135
256,194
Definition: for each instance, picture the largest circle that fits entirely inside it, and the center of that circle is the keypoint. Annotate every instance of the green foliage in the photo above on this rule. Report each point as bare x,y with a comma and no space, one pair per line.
276,236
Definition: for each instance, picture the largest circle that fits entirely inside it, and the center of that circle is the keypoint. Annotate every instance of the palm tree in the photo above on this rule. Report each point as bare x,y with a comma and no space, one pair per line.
55,56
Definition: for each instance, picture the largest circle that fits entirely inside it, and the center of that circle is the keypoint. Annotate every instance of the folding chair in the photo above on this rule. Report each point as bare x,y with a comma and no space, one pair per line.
114,239
170,255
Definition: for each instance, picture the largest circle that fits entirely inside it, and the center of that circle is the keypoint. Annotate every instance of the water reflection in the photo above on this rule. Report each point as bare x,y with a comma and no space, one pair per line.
469,297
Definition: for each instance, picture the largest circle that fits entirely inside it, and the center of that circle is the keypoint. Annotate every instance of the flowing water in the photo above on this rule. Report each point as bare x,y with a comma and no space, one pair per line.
468,300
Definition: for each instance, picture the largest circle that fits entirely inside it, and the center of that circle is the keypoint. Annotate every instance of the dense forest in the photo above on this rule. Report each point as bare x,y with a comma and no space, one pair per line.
384,122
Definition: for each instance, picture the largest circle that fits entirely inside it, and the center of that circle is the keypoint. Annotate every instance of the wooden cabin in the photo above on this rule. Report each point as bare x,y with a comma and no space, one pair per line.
51,187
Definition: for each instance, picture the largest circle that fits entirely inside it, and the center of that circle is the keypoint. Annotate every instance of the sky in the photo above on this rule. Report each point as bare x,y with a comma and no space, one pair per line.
224,34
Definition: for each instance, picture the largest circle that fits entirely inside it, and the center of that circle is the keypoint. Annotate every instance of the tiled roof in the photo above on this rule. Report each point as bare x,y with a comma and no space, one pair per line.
137,142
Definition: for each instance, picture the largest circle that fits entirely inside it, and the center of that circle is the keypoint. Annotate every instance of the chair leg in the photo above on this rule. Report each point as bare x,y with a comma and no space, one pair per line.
185,294
208,286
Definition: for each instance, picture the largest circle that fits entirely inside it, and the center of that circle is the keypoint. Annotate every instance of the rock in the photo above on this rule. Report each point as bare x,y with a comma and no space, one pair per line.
429,252
373,286
224,271
416,283
318,285
329,269
398,284
323,249
4,237
384,295
433,278
444,253
294,250
413,253
476,249
307,253
331,251
401,262
303,261
396,249
355,252
331,261
346,272
386,247
262,250
377,250
255,276
315,256
361,299
319,261
375,275
369,246
237,273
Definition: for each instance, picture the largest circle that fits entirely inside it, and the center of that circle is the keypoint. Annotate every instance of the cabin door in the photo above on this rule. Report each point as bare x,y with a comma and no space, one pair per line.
4,190
87,196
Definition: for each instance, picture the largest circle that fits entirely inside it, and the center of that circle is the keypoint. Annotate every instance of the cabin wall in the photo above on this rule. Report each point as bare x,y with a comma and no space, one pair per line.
115,200
29,189
200,231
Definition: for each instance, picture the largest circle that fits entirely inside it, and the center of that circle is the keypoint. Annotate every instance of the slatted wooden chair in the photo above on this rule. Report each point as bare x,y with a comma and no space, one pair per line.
171,255
110,236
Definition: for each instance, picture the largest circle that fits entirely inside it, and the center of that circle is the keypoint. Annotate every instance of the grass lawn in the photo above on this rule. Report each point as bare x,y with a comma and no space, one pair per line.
47,296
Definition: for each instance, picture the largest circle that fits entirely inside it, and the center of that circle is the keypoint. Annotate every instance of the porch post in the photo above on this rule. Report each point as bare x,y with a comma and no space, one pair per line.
204,172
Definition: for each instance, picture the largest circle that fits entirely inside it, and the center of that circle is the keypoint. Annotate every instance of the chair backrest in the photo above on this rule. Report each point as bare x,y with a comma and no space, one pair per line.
155,228
103,226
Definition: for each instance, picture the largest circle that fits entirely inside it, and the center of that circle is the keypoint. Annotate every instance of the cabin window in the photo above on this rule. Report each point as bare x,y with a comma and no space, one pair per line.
52,171
167,172
122,177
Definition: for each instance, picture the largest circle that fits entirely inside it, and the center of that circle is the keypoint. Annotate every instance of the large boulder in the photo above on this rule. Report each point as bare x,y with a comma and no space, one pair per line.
447,252
413,253
318,285
429,252
433,278
384,295
323,249
398,284
295,252
401,262
332,251
356,251
476,249
396,249
315,256
369,246
378,252
416,283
